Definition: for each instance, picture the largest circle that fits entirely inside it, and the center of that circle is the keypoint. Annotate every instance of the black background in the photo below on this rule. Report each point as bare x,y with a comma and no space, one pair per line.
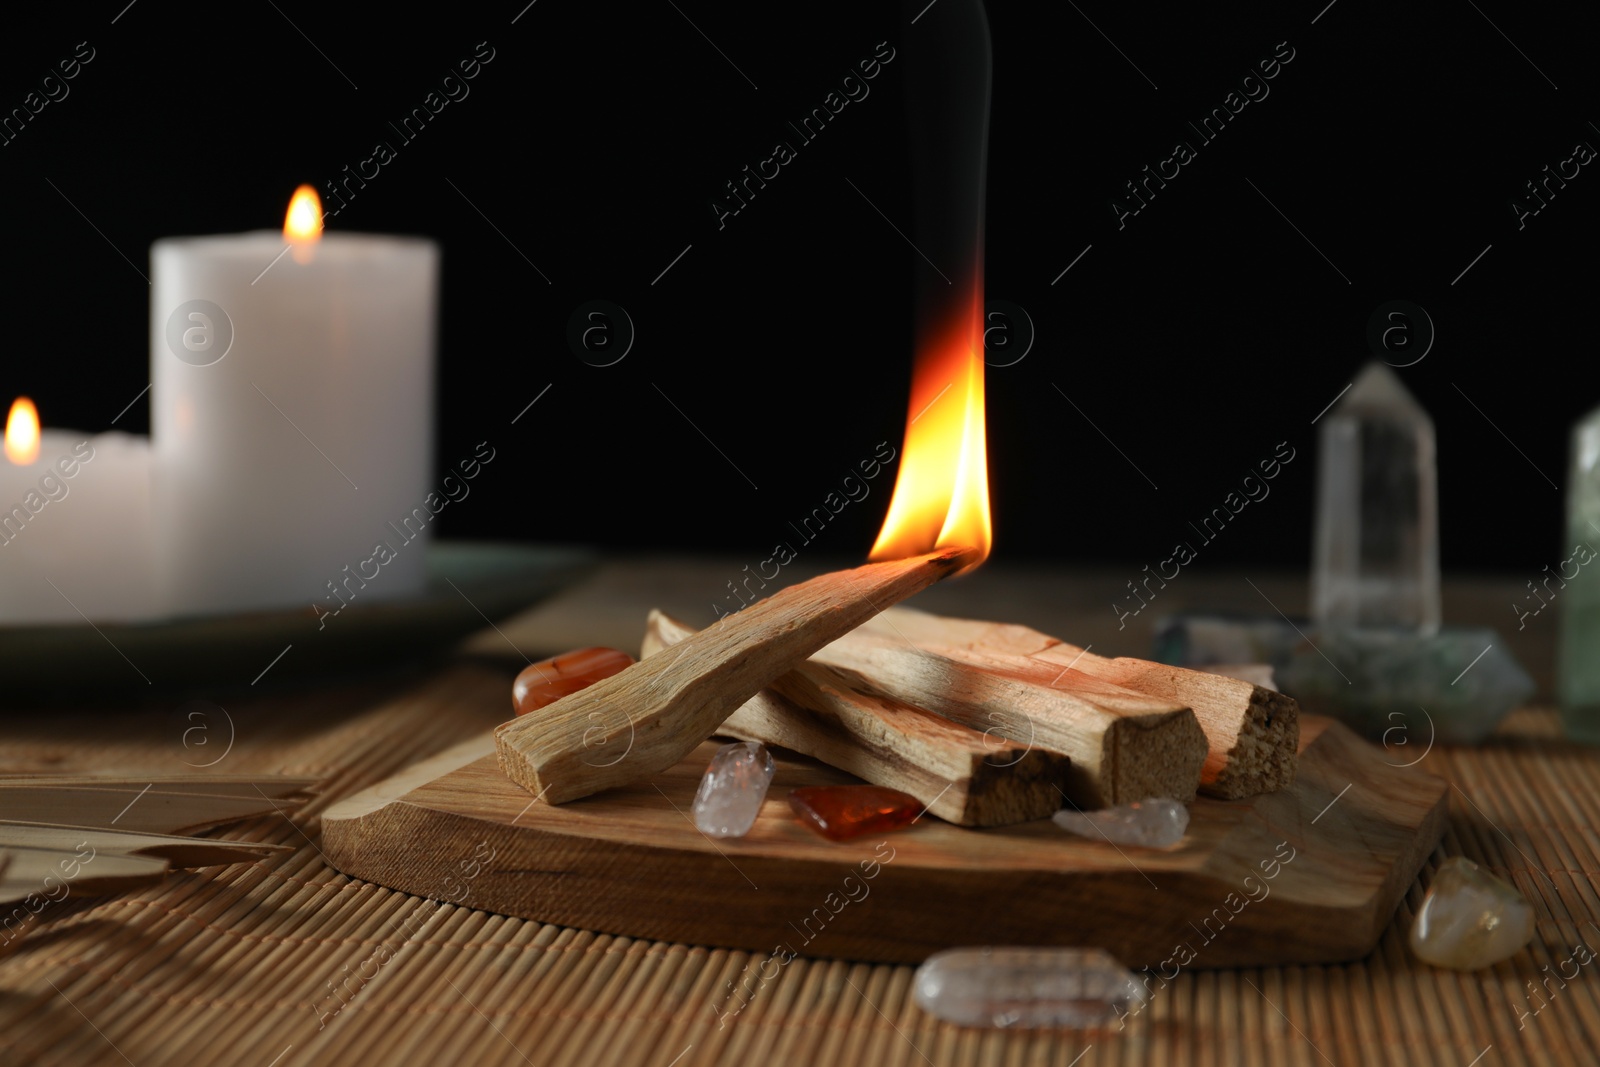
1196,338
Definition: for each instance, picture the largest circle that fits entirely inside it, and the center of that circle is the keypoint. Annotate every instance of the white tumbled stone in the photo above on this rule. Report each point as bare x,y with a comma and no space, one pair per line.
1154,823
1470,919
1026,987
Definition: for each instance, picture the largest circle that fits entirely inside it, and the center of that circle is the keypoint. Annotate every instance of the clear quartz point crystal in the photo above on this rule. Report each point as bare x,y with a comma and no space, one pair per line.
1154,823
1026,987
734,786
1376,547
1470,919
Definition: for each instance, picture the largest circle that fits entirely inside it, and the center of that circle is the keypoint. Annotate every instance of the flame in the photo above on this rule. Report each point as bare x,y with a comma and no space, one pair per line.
302,226
941,496
22,432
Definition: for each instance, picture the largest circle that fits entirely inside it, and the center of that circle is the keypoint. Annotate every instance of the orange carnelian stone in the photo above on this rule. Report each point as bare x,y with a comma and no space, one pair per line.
841,812
551,679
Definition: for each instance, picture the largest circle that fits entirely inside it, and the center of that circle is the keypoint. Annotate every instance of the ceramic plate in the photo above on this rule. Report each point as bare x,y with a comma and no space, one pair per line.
469,585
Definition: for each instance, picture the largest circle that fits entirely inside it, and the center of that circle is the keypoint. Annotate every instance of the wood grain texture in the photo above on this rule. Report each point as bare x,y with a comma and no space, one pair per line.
1124,746
645,719
960,774
230,965
1309,874
1252,732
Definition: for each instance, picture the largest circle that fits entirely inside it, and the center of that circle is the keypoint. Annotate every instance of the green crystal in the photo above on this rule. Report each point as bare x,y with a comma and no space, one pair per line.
1453,686
1579,682
1398,688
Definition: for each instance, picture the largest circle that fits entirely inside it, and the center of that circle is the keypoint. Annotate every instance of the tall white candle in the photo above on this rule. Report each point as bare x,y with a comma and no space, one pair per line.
292,418
75,534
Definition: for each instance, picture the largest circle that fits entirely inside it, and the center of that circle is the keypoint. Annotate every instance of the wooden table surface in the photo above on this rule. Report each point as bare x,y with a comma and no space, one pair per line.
288,962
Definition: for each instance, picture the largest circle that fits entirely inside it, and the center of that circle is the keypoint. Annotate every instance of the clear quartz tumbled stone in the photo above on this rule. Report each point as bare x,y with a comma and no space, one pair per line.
734,786
1376,547
1470,919
1154,823
1026,987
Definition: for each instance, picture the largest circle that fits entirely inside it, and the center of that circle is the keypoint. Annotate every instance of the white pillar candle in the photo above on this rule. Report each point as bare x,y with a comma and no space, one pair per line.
292,418
75,531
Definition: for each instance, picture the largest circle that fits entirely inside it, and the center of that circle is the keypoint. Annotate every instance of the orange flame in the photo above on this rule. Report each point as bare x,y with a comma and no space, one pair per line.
941,495
302,226
22,432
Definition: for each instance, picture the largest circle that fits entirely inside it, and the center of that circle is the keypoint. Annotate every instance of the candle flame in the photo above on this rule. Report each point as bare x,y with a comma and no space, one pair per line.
941,495
302,226
22,432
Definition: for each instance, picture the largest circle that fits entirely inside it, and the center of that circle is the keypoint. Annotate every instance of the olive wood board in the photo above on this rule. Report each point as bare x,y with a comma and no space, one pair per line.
1310,874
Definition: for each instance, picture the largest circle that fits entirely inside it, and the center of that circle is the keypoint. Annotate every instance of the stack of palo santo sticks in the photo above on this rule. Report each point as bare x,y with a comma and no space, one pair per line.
986,723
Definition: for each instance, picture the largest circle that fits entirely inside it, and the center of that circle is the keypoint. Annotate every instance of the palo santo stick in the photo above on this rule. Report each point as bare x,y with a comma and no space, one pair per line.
649,716
1124,746
1253,733
1257,674
961,775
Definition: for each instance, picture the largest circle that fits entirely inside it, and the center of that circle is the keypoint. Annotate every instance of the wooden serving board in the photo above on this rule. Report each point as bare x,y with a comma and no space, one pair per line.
1311,874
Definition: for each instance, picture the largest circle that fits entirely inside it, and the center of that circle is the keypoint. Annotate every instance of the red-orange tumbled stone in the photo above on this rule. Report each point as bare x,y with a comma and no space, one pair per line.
840,812
551,679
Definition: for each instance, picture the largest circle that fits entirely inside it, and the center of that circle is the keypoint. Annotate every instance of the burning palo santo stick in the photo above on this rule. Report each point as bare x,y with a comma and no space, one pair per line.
1253,733
652,714
961,775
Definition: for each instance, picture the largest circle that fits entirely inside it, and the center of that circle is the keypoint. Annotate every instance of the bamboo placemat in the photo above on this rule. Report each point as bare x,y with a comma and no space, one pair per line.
240,965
